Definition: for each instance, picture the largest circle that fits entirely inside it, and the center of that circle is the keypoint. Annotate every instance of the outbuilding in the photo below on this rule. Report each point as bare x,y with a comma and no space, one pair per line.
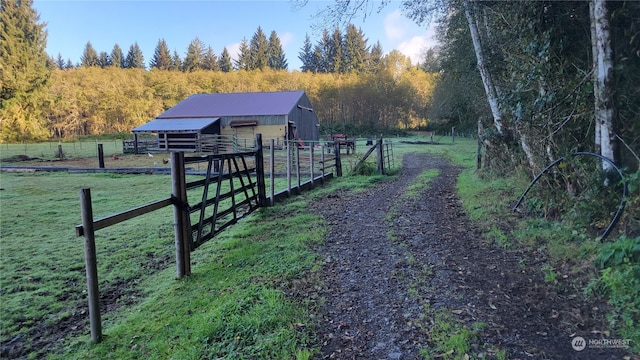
192,124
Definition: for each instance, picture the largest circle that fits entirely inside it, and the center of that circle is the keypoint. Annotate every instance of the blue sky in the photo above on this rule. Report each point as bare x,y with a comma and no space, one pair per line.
219,24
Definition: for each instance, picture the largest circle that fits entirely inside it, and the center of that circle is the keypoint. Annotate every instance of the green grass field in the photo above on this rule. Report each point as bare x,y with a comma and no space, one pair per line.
239,301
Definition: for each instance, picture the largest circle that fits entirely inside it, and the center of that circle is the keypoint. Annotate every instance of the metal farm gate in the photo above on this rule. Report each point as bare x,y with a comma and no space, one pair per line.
226,193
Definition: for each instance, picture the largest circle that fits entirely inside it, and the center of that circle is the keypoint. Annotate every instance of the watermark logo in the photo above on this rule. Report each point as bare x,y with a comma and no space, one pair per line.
578,343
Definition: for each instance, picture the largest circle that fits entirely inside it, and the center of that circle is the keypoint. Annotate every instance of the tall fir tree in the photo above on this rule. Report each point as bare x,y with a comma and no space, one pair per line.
176,61
135,59
161,56
322,53
195,56
89,56
335,52
306,55
210,60
277,59
356,50
374,60
259,50
103,59
117,57
244,56
24,71
224,62
60,63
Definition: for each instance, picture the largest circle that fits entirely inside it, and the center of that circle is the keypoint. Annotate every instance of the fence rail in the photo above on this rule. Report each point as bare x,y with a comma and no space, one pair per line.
238,189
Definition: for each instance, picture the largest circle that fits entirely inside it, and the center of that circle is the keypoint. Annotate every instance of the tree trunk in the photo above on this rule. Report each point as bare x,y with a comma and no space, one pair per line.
605,138
489,86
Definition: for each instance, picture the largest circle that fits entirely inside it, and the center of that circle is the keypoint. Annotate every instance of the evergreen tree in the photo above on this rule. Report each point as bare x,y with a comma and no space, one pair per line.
306,55
24,71
374,60
356,50
117,57
176,62
210,60
244,56
321,53
89,56
60,62
161,57
259,50
277,59
69,64
103,59
195,56
135,59
224,62
335,53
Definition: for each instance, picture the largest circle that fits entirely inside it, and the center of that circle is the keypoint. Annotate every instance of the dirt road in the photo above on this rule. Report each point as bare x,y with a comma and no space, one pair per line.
393,262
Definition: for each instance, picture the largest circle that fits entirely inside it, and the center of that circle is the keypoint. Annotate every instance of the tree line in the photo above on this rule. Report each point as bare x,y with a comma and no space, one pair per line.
333,53
356,88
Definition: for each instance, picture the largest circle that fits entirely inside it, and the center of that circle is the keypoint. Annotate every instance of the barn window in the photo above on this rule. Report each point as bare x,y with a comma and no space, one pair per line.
239,123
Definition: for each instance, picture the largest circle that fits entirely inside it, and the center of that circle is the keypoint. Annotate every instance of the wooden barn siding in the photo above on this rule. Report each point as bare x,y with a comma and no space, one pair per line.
268,132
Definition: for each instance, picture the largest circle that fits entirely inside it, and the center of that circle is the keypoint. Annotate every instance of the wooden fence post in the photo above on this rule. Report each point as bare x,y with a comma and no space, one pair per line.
272,168
100,156
91,265
322,163
336,150
479,151
262,192
288,167
180,215
298,168
311,163
380,156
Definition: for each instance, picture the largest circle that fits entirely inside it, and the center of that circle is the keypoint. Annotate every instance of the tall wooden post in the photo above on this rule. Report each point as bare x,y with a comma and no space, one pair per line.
91,265
380,156
311,162
100,156
322,164
479,152
180,215
298,168
135,143
336,149
288,167
262,192
272,168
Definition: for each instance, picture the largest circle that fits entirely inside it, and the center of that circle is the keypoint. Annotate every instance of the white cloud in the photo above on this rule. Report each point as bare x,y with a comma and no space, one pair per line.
395,27
286,39
234,50
413,48
407,37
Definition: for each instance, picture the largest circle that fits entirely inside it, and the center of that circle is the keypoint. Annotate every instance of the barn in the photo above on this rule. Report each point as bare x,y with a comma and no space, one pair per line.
192,124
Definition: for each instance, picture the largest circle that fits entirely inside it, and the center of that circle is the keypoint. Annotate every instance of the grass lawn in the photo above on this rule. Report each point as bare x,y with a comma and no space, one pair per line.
238,302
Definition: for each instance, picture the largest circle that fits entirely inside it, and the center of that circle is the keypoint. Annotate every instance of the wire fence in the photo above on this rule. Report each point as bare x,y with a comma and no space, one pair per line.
52,150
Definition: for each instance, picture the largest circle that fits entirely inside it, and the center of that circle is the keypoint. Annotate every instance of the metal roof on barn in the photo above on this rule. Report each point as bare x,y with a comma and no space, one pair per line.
234,104
176,125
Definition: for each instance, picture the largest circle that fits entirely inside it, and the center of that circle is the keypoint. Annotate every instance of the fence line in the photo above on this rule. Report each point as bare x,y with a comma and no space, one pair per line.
204,228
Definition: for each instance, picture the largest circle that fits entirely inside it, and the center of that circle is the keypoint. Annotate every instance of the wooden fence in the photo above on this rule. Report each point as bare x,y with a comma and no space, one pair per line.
232,184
